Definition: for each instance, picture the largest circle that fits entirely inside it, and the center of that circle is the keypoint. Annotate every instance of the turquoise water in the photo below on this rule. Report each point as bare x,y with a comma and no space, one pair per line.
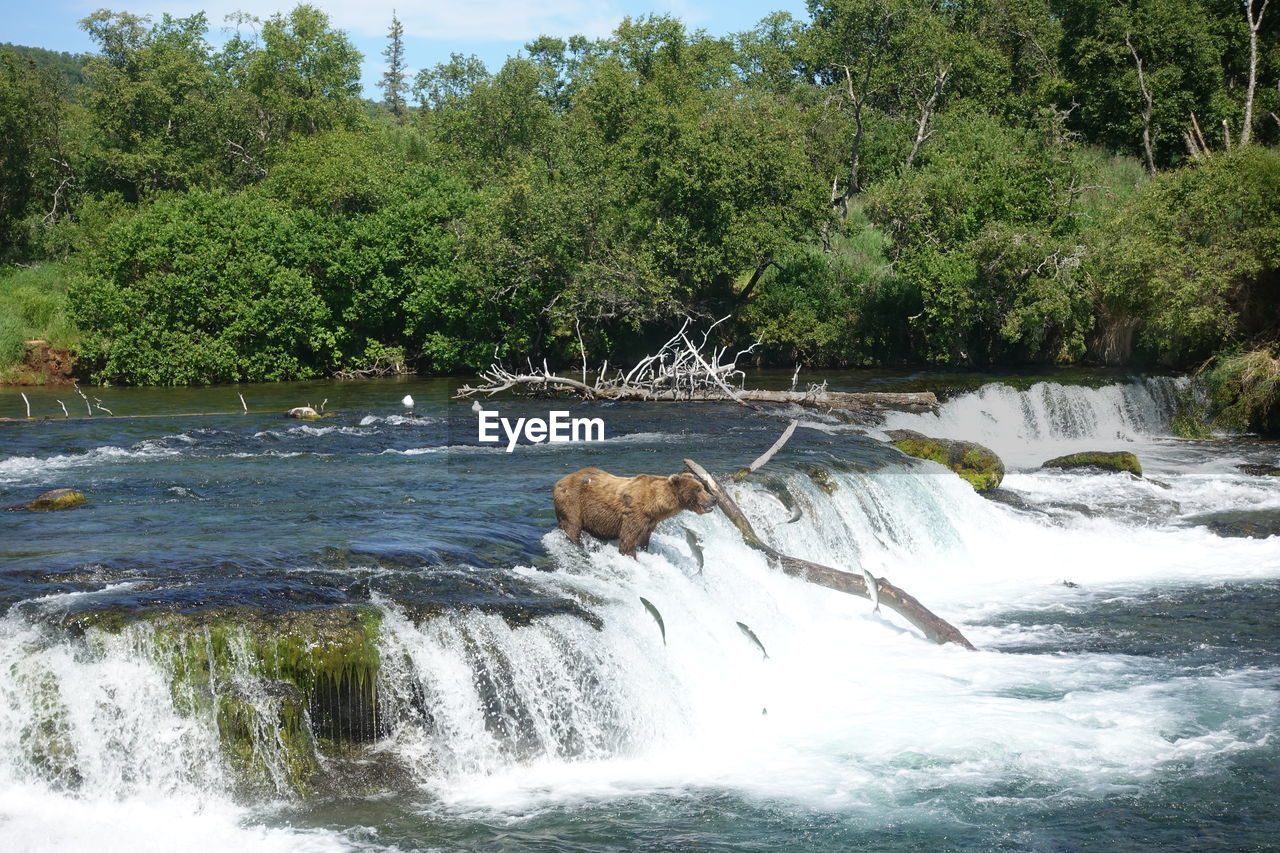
1124,695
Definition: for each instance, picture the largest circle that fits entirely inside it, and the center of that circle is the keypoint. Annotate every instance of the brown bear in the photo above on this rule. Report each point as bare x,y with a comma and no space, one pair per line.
624,508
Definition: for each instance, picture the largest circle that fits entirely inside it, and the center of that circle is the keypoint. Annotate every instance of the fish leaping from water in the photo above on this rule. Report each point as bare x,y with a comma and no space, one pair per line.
751,635
873,590
657,617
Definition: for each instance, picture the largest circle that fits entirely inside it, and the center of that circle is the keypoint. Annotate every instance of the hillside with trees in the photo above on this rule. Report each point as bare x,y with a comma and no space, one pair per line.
886,182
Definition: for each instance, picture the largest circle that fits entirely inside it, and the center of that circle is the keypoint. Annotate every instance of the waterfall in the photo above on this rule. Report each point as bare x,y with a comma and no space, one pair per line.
1050,419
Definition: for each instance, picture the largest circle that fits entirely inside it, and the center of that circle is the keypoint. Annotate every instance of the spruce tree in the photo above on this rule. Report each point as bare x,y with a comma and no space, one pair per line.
393,83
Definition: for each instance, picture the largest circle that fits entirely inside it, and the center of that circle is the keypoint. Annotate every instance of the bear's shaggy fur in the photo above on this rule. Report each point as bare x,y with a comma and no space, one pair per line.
624,508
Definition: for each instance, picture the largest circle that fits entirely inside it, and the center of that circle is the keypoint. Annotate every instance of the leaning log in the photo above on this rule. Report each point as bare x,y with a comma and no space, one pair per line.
901,602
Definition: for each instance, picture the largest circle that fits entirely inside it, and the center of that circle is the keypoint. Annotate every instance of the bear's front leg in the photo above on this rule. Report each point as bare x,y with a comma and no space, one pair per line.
635,532
571,524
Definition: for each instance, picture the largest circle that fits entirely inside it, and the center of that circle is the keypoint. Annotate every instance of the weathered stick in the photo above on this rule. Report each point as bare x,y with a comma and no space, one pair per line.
906,605
28,402
767,455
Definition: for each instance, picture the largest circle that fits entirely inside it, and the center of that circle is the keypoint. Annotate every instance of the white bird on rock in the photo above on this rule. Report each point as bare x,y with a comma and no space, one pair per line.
476,407
408,404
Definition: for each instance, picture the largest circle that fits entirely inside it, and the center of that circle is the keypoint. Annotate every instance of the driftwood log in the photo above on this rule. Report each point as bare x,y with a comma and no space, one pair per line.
901,602
685,371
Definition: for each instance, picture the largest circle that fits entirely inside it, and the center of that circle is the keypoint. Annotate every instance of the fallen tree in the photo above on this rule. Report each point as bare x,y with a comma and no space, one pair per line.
684,371
901,602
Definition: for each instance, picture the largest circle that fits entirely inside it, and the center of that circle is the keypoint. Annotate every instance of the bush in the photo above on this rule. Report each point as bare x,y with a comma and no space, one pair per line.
200,288
1244,391
33,306
1195,257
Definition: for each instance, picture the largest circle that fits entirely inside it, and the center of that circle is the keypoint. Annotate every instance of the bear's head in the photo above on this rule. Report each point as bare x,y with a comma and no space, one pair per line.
691,494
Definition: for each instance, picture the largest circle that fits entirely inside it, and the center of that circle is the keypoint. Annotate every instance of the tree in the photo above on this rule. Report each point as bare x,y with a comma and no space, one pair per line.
34,173
1253,11
300,76
393,83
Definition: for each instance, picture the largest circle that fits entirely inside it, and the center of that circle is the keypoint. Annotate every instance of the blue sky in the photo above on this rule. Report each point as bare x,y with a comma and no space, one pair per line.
491,29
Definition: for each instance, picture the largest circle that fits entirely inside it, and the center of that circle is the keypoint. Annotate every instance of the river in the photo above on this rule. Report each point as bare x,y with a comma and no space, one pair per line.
519,695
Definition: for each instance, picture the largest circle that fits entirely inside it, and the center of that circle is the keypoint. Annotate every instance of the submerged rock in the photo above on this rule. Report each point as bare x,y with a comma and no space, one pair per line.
821,478
1116,460
1260,470
53,500
979,466
1241,524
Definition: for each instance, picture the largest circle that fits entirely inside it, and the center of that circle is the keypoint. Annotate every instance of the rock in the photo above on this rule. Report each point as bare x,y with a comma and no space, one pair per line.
1241,524
302,412
1260,470
1009,499
1117,460
53,500
979,466
821,478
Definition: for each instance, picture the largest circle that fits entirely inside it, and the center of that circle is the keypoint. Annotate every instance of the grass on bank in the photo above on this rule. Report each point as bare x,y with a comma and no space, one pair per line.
33,306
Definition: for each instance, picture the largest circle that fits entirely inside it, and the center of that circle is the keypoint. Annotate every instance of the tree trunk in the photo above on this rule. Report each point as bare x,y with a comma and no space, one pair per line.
926,114
1146,108
904,604
1255,24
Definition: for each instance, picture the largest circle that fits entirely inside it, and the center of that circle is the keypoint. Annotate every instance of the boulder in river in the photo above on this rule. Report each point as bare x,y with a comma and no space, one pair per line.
1241,524
1260,470
54,499
1102,460
302,412
979,466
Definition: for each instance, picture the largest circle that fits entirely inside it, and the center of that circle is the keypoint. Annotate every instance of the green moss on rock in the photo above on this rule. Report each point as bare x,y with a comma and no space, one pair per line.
978,466
56,499
1117,460
282,687
822,478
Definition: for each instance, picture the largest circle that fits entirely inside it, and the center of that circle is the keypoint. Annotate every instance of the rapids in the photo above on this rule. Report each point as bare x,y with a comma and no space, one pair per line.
1124,695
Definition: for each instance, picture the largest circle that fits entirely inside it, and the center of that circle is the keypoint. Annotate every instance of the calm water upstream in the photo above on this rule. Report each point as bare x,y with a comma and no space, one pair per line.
1126,695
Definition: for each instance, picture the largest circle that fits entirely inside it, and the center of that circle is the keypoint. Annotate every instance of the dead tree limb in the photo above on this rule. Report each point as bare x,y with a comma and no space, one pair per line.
682,370
902,603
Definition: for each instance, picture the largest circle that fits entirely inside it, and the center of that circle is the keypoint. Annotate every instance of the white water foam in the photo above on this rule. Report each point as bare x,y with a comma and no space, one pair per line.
851,710
27,469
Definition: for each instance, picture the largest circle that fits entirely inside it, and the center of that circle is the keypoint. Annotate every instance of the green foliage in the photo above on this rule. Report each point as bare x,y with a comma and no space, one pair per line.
33,172
1196,256
1244,391
204,287
888,180
984,228
34,306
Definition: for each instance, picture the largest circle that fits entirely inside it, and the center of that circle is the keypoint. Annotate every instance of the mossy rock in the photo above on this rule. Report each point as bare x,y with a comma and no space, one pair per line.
822,478
978,466
1119,461
285,688
53,500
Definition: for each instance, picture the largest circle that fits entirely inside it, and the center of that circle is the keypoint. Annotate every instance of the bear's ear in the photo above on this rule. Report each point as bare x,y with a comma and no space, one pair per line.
674,478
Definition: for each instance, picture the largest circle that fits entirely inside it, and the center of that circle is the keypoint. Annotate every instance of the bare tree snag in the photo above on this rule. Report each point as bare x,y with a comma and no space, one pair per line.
1147,104
1255,24
926,113
689,372
904,604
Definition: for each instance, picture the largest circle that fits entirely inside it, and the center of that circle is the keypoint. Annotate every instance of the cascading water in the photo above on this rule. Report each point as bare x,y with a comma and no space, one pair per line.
489,717
1050,418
